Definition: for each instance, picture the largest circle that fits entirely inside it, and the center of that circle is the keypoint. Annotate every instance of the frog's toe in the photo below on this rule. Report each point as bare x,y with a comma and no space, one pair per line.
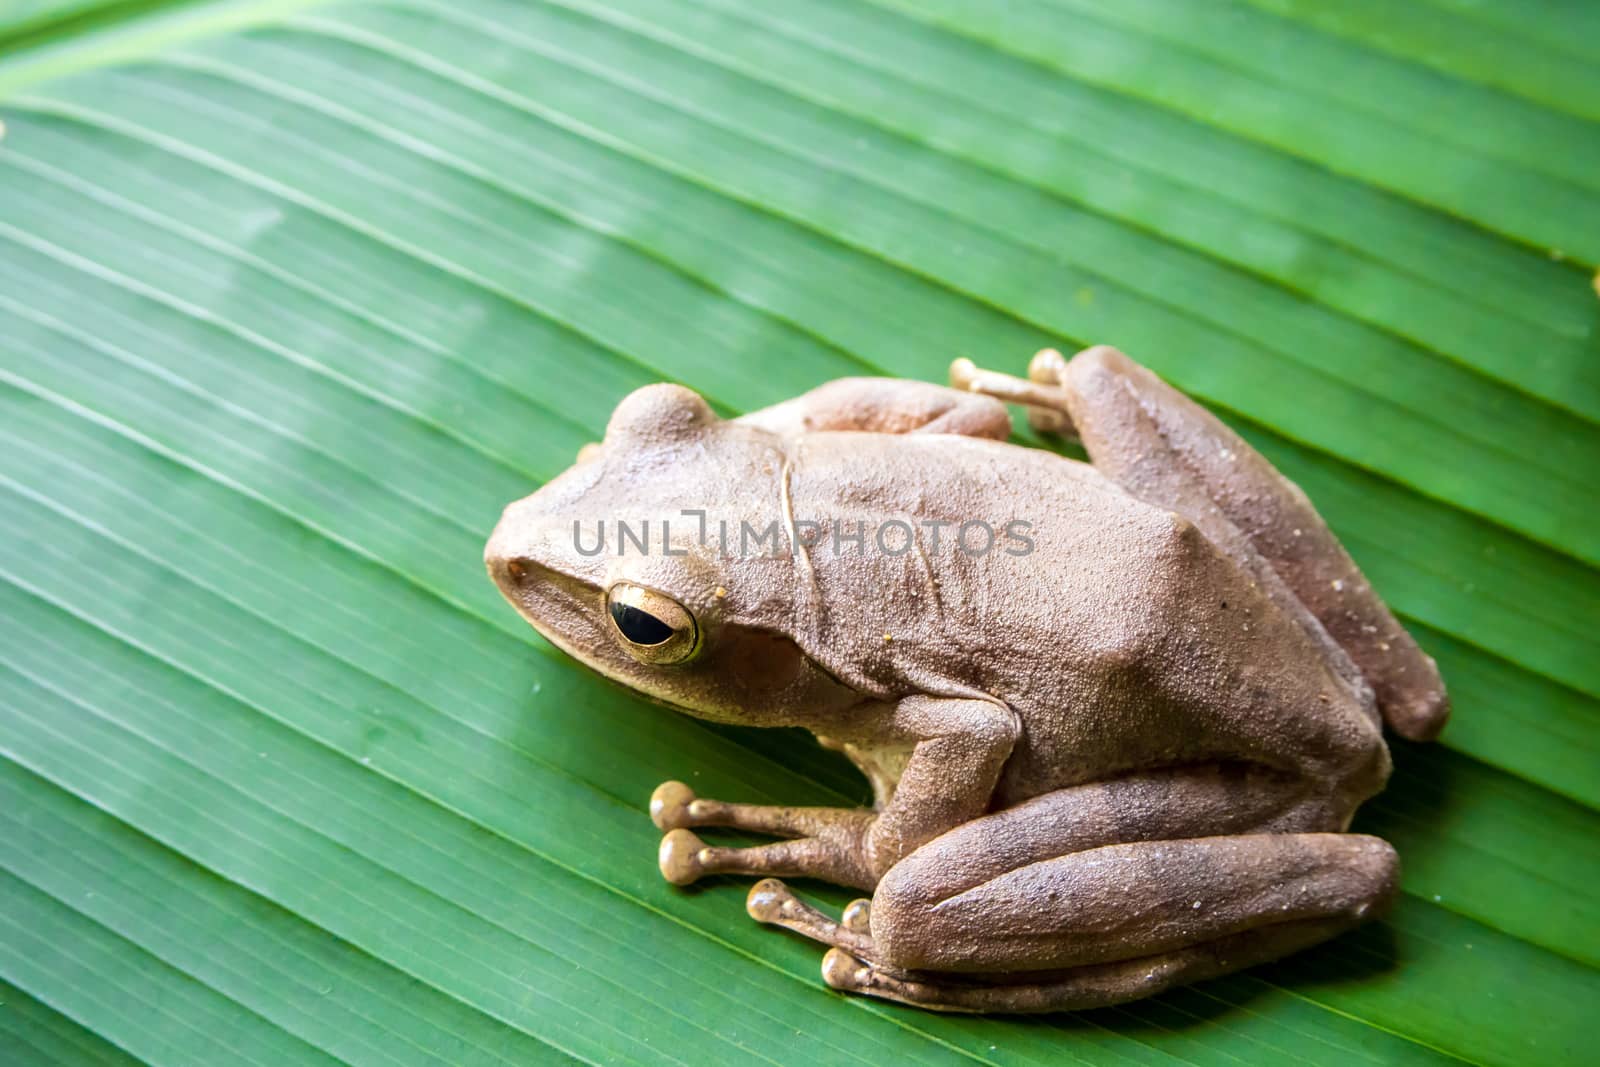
769,901
845,972
681,857
669,806
1045,401
849,973
857,917
1048,366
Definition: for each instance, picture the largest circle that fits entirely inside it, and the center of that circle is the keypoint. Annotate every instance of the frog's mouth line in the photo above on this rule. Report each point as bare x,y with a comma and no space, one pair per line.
582,606
626,685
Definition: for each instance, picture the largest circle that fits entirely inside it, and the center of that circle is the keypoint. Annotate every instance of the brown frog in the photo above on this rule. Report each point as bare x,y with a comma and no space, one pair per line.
1117,715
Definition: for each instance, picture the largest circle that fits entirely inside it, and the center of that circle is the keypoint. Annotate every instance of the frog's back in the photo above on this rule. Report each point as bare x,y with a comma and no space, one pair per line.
1121,635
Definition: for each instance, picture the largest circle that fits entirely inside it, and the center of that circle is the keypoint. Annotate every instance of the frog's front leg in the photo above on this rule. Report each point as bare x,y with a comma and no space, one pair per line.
958,748
826,843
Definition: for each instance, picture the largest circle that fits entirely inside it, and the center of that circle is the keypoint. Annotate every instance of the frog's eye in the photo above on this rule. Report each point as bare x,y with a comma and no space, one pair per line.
654,628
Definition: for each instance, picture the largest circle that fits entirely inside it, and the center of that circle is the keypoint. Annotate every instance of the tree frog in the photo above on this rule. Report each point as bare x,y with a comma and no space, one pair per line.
1116,715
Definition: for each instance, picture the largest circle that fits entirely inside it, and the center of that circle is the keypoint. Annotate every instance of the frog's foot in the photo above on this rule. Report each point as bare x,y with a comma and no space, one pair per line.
833,851
770,901
1040,392
850,973
826,843
834,858
685,859
1079,988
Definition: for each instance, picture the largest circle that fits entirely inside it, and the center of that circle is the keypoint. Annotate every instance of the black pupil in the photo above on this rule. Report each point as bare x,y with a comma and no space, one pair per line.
640,627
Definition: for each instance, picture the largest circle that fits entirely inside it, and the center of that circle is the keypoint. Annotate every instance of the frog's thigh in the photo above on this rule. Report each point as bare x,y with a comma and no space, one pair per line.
1152,805
1169,803
1129,901
1168,450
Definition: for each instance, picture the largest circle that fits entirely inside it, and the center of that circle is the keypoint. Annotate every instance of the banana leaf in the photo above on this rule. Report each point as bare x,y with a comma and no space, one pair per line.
295,296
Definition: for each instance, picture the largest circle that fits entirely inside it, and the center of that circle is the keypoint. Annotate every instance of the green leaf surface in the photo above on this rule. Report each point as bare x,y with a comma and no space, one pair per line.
296,296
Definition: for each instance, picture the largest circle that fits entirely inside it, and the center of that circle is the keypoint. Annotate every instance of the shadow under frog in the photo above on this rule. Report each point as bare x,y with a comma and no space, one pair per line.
1124,759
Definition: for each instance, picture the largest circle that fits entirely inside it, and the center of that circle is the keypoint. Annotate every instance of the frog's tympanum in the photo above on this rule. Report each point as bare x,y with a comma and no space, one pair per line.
1117,715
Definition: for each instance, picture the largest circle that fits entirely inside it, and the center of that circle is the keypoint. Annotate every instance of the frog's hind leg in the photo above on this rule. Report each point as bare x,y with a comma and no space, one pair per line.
1114,923
1167,450
966,862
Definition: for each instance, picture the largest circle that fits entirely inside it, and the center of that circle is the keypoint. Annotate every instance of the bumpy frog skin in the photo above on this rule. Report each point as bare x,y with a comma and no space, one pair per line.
1115,753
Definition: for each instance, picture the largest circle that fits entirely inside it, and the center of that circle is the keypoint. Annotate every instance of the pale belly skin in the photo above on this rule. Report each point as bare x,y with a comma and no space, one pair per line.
1121,760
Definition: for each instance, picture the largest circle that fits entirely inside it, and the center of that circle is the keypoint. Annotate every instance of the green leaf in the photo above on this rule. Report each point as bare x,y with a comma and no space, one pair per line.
298,295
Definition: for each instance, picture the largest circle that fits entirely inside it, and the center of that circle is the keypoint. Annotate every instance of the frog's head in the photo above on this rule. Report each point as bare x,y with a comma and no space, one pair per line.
614,563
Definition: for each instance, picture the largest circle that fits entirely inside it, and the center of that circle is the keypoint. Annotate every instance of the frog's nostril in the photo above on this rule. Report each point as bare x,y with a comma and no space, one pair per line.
514,576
